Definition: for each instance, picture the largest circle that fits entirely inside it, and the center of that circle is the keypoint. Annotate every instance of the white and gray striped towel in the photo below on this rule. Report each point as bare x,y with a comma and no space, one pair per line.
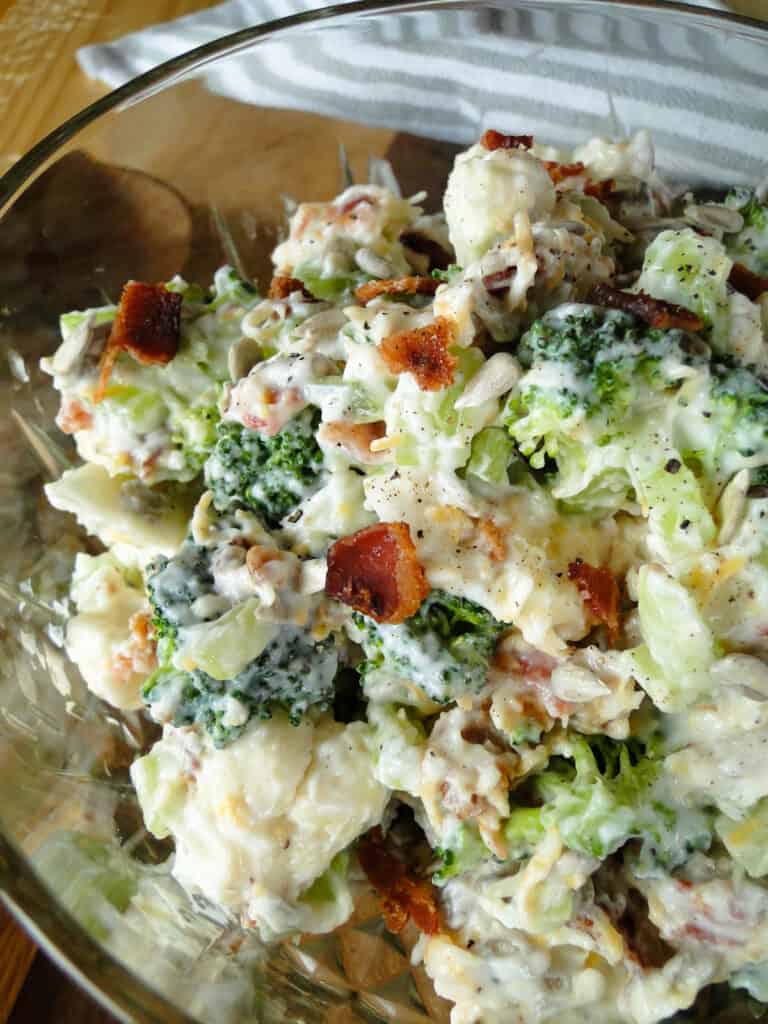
450,73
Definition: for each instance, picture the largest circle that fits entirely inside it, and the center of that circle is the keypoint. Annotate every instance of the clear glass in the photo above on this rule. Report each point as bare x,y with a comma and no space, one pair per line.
182,170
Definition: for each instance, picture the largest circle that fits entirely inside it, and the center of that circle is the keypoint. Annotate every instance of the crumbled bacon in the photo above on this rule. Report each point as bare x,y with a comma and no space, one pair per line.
147,324
139,655
601,190
351,204
599,591
73,417
423,352
402,896
655,312
743,280
499,281
412,285
498,140
561,172
354,438
281,286
531,664
493,539
438,258
376,572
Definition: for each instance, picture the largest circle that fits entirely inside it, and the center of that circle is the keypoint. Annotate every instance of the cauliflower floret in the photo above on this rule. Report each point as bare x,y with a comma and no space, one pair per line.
109,638
486,189
516,974
137,522
254,840
629,158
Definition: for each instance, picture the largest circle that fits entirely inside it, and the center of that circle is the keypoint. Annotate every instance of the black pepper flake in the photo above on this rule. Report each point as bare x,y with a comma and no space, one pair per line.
685,524
673,466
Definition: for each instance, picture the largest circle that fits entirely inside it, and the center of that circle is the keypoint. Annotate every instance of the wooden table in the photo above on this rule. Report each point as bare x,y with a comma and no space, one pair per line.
40,87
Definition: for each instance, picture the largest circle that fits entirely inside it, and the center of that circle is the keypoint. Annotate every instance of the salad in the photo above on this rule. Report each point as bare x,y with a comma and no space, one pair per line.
444,564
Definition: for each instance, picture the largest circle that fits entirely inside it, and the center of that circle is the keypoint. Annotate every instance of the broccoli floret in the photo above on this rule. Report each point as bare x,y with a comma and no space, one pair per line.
755,214
740,399
195,433
598,398
269,475
598,794
603,793
722,425
602,355
750,245
444,648
173,587
293,672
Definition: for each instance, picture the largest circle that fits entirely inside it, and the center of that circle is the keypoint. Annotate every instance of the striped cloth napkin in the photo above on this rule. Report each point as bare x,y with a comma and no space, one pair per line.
450,73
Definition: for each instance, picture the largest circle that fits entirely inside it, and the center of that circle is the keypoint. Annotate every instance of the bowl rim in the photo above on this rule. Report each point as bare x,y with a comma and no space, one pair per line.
22,172
22,891
55,930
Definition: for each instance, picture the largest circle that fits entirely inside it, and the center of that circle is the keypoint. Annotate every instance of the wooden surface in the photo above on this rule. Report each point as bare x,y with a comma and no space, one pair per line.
40,87
17,952
40,83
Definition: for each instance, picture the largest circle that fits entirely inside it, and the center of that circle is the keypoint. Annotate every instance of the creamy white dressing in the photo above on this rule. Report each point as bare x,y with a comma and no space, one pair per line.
658,486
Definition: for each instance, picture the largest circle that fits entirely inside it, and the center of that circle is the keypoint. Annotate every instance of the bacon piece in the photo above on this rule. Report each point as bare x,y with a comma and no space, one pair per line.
423,352
498,140
560,172
599,591
412,285
743,280
147,324
499,281
351,204
418,242
139,654
601,190
402,896
281,286
655,312
354,438
73,416
376,572
493,539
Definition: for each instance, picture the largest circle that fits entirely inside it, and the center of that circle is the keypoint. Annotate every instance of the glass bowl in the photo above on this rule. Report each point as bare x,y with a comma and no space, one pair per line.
183,169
